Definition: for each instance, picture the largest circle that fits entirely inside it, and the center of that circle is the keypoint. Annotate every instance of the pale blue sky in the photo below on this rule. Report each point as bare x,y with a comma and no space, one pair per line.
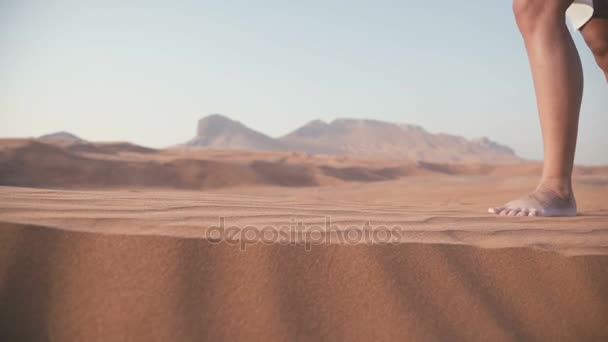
146,71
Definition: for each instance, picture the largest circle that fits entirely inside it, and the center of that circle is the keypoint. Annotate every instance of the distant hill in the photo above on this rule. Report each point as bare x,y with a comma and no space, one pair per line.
355,137
74,143
60,137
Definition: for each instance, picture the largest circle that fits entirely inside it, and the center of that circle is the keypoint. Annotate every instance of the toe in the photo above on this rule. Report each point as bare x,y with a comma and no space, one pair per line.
513,212
533,212
504,212
495,210
522,212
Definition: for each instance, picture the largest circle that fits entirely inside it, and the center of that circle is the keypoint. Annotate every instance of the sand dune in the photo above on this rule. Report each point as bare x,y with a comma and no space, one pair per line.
30,163
71,286
420,210
183,245
43,165
146,265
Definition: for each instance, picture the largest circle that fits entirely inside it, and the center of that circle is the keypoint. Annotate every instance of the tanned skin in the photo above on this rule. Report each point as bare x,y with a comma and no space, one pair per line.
558,83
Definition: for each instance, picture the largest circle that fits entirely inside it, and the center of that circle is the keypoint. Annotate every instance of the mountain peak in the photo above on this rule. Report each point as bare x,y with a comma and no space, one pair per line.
311,129
357,121
216,117
211,124
219,131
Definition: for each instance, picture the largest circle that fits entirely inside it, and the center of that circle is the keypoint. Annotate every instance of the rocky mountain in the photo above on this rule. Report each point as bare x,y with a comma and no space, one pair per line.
354,137
217,131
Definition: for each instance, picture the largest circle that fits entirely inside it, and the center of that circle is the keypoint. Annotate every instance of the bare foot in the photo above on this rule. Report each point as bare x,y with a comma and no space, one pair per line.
542,202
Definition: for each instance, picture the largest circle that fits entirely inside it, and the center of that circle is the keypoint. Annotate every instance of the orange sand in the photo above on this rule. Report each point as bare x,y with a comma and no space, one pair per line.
136,261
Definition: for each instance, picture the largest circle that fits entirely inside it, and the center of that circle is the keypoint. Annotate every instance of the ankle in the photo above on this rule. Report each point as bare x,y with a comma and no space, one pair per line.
561,186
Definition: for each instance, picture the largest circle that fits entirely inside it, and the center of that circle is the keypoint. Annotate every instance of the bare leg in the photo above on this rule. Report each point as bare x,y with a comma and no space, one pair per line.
558,83
595,33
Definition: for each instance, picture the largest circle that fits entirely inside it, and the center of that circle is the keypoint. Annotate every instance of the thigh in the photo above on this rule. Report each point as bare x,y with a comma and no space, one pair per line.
595,31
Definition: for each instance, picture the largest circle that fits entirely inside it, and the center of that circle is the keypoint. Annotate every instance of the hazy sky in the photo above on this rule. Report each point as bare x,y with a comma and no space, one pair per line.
146,71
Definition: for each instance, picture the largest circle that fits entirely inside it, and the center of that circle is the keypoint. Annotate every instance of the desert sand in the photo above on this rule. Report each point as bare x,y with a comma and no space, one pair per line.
113,243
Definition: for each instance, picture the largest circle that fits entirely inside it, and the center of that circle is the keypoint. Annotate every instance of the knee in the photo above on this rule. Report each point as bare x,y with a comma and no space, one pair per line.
531,15
597,40
601,57
600,51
